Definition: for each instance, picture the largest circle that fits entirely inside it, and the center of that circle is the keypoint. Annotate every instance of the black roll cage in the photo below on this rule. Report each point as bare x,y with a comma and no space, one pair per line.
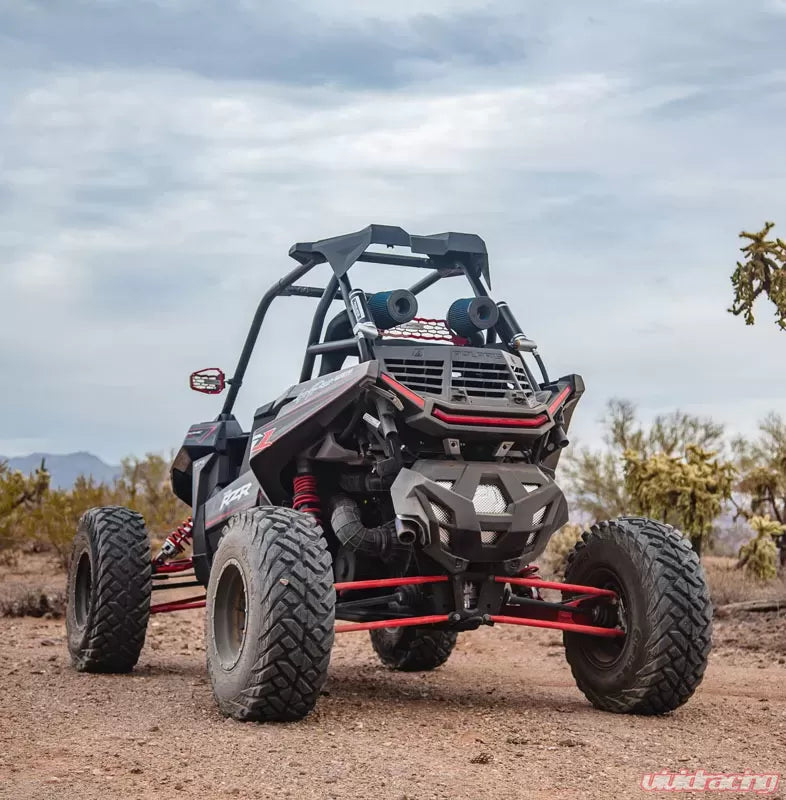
444,254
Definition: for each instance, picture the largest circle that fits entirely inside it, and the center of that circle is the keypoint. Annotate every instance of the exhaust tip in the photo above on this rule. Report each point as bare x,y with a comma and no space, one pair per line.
406,531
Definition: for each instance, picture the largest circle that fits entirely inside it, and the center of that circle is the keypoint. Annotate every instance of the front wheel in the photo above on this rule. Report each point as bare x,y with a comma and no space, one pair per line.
270,615
109,588
664,607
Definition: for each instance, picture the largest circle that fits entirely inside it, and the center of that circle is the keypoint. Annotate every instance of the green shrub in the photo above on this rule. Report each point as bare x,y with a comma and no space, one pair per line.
759,557
18,495
33,515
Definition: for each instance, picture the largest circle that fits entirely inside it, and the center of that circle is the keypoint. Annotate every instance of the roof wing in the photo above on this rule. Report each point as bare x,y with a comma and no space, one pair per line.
441,249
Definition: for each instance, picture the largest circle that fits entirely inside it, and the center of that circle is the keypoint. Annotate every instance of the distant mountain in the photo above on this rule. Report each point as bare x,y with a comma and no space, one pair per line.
65,469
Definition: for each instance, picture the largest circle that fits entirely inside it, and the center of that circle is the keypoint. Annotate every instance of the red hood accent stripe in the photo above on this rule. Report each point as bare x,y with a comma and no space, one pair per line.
508,422
403,390
558,400
469,419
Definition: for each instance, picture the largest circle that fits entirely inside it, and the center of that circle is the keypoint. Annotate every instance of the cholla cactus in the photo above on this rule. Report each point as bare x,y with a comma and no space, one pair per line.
762,272
18,495
687,492
759,556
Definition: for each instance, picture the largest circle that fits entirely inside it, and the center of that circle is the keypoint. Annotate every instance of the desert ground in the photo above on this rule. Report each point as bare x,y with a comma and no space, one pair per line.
501,719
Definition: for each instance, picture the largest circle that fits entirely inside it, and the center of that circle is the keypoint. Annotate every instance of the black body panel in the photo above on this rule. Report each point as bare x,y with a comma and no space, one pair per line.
223,437
300,422
439,496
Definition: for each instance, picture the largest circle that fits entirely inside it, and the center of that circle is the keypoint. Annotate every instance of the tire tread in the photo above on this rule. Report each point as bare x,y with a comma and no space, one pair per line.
679,610
294,644
122,585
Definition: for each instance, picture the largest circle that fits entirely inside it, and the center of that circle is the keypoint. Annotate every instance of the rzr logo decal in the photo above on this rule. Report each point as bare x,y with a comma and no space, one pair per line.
233,495
262,439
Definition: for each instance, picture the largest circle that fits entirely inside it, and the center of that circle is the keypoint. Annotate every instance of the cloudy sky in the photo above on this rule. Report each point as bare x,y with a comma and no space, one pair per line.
157,159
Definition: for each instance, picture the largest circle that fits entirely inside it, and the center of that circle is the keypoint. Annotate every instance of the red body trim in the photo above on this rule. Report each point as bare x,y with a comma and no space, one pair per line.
557,402
469,419
508,422
403,390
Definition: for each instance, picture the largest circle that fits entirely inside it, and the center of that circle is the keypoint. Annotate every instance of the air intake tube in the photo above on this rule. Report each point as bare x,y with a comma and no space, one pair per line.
378,542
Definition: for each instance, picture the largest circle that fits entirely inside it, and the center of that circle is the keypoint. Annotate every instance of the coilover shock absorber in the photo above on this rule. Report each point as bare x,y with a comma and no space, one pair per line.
176,542
305,497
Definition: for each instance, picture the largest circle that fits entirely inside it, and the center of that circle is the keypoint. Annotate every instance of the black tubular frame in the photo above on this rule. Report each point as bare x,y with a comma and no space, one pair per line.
236,381
449,254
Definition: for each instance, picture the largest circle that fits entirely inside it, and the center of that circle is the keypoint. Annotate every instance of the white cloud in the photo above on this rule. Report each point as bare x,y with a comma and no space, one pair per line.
146,208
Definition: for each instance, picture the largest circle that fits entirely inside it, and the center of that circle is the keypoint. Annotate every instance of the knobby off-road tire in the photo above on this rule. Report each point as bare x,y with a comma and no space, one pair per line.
270,615
109,588
413,649
664,607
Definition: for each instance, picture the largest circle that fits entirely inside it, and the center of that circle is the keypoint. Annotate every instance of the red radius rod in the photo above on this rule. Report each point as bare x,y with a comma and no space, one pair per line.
434,619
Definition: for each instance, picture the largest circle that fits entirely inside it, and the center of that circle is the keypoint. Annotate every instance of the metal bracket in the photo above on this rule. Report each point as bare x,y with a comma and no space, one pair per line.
503,450
392,398
452,447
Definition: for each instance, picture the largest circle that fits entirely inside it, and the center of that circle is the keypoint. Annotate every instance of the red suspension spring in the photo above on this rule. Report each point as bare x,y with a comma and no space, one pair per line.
176,541
305,497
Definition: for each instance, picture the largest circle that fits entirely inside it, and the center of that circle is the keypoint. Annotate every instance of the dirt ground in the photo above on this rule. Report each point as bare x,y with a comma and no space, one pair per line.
502,719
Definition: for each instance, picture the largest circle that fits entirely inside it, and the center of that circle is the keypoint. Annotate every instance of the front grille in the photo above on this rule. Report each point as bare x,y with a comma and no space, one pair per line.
521,375
482,380
488,499
471,375
441,513
418,375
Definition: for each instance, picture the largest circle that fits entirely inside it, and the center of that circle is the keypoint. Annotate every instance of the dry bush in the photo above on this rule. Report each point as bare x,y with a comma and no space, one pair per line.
48,520
52,524
32,603
556,553
729,584
18,495
144,485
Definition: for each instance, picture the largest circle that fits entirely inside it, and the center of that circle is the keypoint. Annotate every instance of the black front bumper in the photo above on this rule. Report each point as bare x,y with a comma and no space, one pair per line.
464,523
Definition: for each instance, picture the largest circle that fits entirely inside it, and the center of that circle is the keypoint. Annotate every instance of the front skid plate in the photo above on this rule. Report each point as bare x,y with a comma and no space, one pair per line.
535,508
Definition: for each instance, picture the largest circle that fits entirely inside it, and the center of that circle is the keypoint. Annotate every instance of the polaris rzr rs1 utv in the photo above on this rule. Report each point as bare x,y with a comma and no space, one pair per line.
407,494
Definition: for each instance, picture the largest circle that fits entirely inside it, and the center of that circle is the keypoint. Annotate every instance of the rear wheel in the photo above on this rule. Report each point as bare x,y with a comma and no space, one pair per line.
109,587
270,615
664,607
413,649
